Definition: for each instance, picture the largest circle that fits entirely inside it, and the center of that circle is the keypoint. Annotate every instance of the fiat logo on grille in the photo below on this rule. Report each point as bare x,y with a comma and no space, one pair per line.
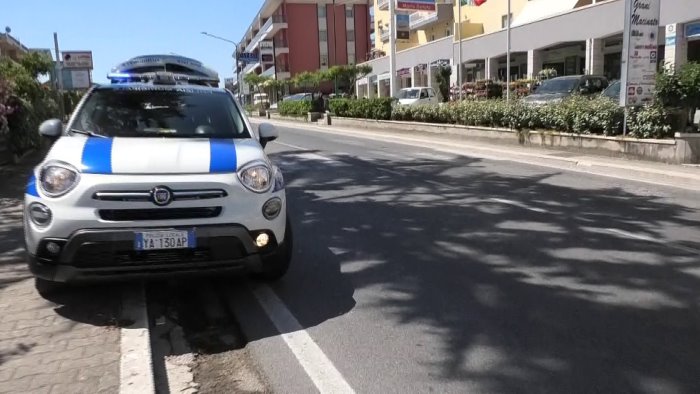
161,195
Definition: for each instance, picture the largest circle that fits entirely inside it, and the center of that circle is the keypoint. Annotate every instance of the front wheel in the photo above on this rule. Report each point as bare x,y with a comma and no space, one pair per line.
276,264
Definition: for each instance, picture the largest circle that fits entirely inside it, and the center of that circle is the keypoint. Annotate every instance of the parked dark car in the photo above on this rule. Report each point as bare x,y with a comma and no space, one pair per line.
557,89
613,91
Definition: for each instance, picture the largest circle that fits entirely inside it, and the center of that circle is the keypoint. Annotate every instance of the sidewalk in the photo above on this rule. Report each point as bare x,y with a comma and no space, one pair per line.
67,344
682,176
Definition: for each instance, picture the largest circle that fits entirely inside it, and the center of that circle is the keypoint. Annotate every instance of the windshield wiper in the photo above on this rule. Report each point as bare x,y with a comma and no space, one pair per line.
86,132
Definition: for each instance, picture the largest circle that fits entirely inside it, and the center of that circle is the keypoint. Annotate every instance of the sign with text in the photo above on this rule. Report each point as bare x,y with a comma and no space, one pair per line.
415,5
639,52
248,57
77,59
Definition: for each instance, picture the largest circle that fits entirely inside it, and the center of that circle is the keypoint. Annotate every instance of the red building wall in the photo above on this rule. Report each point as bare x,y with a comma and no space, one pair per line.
302,37
337,35
362,28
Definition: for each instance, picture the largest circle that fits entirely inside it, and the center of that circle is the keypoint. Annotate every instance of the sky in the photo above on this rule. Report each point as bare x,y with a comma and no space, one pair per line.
118,30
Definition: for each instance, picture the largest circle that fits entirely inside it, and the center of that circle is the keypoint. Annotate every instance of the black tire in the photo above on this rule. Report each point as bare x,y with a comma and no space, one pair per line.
47,288
276,264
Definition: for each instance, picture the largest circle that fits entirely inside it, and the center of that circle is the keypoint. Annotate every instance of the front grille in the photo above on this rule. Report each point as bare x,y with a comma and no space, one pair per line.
144,195
121,254
122,215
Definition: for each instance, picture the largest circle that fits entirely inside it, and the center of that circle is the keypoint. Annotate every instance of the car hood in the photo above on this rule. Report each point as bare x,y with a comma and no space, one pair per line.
407,101
121,155
545,97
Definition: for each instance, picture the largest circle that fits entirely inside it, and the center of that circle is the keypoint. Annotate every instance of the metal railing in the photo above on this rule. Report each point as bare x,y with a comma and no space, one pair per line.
383,4
418,19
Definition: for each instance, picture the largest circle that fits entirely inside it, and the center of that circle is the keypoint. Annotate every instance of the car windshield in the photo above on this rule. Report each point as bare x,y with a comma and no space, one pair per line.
557,85
613,91
409,94
152,111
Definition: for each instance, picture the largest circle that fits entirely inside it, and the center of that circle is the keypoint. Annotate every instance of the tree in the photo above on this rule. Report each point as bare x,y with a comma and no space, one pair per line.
255,80
37,64
443,79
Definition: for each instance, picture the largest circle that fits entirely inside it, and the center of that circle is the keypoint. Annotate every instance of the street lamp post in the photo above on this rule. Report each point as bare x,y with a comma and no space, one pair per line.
238,74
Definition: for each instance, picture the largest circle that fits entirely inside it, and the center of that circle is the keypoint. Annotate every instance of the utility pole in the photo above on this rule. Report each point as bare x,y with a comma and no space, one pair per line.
237,59
459,40
507,54
392,48
59,77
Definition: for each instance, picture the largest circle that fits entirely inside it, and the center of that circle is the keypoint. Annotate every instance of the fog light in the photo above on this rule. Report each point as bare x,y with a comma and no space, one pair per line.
53,247
272,208
261,240
40,214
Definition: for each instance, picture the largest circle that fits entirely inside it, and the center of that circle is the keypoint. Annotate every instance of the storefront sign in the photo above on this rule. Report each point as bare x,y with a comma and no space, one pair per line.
77,59
640,52
416,5
692,30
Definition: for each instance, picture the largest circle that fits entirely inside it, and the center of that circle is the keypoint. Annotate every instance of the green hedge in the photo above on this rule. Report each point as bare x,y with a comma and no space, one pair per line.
574,115
294,107
376,108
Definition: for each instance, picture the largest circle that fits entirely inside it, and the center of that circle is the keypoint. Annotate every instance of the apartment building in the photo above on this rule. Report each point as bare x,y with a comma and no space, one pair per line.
11,47
570,36
292,36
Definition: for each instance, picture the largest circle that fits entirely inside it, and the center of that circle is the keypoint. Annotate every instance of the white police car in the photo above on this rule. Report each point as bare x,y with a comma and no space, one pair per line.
150,177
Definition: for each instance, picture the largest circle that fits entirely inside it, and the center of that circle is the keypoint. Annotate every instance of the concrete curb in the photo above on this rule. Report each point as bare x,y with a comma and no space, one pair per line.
136,364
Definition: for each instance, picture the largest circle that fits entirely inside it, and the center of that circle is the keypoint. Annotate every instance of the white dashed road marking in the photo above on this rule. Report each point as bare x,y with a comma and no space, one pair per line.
518,204
316,364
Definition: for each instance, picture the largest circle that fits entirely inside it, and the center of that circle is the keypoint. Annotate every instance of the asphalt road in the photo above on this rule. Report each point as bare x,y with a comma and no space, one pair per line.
421,271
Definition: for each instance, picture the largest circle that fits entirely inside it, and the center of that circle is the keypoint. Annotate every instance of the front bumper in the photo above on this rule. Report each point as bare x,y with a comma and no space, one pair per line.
108,254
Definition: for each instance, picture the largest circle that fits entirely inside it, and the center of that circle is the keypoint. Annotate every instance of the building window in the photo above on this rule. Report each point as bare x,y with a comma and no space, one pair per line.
323,35
349,12
351,58
321,10
504,21
324,60
351,35
432,37
447,32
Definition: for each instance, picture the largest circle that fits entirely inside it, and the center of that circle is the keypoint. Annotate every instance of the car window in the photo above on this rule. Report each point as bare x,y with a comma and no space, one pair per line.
558,85
431,92
409,93
152,111
423,93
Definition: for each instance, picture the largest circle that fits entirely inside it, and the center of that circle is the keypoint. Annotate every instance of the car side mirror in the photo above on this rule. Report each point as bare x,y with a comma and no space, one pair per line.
51,129
267,133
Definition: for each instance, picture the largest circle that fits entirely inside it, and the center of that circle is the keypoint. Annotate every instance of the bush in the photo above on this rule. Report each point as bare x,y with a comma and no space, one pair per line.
575,115
652,121
376,108
298,108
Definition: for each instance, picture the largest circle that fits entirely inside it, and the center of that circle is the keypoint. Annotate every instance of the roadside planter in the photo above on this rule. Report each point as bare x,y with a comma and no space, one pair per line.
684,148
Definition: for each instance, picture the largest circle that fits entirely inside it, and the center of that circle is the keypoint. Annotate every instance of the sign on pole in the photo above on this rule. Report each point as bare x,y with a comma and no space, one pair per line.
247,57
640,52
77,59
415,5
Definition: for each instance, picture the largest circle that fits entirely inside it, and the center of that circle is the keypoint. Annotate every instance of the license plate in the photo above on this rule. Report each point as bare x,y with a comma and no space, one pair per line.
165,239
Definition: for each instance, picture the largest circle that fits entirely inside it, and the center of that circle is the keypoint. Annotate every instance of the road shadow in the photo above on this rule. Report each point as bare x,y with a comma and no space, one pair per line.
529,283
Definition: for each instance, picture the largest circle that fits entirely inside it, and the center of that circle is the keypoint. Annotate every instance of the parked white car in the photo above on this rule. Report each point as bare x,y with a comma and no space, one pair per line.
419,95
156,178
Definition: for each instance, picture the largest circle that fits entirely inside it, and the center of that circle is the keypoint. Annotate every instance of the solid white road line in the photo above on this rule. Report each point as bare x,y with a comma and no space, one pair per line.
518,204
290,145
318,367
646,238
136,362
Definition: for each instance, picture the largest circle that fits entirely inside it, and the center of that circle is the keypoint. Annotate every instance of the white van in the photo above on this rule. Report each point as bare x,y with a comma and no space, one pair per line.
419,95
260,98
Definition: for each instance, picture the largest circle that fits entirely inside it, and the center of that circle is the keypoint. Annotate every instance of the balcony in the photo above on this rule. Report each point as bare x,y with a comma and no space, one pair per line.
251,67
383,4
420,19
273,24
385,35
281,46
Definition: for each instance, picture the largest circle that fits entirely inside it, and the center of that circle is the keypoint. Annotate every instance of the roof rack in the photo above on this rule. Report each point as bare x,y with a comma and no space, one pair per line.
162,78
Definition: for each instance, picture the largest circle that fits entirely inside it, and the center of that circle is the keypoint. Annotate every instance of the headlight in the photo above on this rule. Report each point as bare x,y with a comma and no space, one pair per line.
57,179
256,177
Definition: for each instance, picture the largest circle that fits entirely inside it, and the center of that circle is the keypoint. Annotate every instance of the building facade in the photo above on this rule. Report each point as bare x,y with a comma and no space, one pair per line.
292,36
571,36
